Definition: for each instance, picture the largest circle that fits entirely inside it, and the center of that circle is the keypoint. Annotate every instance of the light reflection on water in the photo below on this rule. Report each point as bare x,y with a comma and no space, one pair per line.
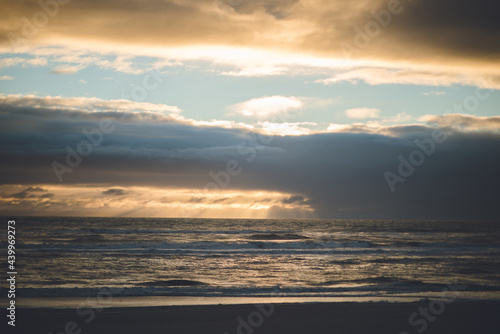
72,256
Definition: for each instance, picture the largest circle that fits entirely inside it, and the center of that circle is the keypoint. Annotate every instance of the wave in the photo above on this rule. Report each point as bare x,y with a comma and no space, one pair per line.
381,280
66,231
274,236
205,247
285,245
174,282
324,289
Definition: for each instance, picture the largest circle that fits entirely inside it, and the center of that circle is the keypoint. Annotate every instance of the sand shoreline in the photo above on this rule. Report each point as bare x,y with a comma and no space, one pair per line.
111,301
457,317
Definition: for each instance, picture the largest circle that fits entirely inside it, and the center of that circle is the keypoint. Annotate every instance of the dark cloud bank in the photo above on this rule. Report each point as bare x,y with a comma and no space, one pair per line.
341,175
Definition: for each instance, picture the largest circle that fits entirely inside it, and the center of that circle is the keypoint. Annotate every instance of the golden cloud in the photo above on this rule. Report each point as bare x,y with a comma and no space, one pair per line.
442,38
101,200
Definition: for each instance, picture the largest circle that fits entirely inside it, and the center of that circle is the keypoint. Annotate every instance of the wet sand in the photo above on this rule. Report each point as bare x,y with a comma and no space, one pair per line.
349,318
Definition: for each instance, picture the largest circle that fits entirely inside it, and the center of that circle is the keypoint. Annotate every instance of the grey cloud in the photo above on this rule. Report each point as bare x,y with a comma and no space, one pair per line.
114,192
196,200
26,193
294,199
22,194
464,121
279,9
35,189
467,27
340,175
424,31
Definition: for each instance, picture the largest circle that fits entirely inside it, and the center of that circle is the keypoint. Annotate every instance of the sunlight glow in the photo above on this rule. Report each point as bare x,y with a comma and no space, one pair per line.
147,201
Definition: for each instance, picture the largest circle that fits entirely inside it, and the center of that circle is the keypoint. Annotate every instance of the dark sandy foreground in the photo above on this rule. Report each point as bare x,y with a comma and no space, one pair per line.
314,318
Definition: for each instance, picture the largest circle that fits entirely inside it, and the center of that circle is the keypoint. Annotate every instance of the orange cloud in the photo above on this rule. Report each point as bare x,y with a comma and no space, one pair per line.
275,37
101,200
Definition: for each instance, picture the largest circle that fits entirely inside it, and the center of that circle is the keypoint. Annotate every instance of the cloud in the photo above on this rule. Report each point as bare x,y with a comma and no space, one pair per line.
130,111
67,69
6,77
24,62
68,60
26,193
363,113
22,194
294,199
418,46
154,202
90,104
372,127
336,174
122,64
267,107
464,122
400,118
433,93
114,192
339,174
286,128
35,189
430,76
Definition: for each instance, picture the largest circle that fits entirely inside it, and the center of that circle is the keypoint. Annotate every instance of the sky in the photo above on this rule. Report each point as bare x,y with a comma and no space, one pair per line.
369,109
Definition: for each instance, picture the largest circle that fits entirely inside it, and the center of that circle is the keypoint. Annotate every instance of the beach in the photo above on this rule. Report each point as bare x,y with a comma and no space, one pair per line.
227,276
246,167
300,318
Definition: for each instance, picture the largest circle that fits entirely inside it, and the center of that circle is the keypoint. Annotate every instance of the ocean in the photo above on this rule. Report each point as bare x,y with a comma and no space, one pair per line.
349,259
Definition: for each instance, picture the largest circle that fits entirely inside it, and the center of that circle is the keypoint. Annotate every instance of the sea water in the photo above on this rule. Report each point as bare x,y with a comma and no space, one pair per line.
347,259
